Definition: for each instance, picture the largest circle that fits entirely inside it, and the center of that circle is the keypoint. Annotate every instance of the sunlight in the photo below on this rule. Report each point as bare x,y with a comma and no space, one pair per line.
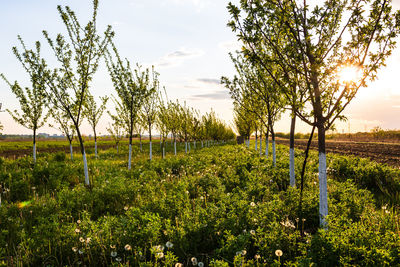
349,73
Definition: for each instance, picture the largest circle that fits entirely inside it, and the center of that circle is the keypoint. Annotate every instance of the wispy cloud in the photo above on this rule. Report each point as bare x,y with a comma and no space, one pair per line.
209,81
177,57
216,95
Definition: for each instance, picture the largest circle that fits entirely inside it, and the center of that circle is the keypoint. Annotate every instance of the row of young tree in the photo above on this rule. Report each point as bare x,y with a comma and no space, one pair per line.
308,59
63,92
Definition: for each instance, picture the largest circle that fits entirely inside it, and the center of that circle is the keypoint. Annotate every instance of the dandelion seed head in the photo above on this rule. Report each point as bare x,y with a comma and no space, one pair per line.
128,247
278,252
114,254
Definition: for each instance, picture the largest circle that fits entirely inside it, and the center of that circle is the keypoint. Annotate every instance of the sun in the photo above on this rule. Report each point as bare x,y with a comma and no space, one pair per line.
348,74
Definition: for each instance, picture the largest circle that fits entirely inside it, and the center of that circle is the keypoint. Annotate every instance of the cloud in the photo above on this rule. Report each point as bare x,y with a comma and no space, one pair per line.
208,80
176,58
216,95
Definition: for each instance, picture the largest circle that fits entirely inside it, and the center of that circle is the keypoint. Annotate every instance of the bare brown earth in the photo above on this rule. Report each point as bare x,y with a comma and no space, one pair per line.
13,154
388,153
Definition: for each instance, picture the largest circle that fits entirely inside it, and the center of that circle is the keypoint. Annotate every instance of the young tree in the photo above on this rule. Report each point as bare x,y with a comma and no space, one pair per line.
131,89
150,102
174,122
32,102
354,36
65,125
116,131
93,115
79,56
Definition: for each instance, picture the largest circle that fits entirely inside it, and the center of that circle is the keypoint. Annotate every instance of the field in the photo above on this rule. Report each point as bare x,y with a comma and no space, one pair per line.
383,152
221,206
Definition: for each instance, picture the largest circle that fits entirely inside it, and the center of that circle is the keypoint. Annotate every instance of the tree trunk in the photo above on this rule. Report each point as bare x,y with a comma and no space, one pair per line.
95,144
201,143
85,167
323,186
291,152
189,147
273,146
175,146
34,145
130,152
151,147
140,138
71,150
117,149
256,140
260,143
267,144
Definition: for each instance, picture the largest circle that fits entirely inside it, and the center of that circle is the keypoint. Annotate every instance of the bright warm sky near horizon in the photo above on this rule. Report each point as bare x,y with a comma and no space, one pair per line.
187,41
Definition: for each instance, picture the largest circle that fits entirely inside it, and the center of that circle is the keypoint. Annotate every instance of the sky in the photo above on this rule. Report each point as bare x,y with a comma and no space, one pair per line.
188,43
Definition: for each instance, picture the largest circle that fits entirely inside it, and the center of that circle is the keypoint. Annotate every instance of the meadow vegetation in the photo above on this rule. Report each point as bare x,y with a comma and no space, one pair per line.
218,206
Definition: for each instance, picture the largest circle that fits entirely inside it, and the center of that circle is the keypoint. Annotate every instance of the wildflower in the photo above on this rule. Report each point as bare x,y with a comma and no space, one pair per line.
128,247
243,252
81,239
74,249
238,253
252,204
80,252
169,244
77,230
178,264
126,208
257,256
118,259
78,221
160,255
297,220
114,254
88,240
278,252
112,246
193,260
200,264
252,232
244,231
201,197
303,220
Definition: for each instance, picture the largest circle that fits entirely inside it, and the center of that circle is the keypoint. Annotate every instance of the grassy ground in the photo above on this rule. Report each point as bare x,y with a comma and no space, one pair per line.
221,206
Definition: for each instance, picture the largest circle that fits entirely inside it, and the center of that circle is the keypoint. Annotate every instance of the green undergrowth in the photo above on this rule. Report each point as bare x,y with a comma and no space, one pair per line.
221,206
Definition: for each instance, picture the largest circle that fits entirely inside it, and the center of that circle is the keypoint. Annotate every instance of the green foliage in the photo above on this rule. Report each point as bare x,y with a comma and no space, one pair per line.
222,206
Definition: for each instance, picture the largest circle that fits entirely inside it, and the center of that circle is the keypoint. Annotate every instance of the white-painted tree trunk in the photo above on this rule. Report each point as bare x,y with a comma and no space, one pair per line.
71,151
189,147
274,152
291,168
34,153
130,157
266,146
151,151
323,193
175,147
256,143
248,143
260,145
85,167
163,152
186,147
95,149
194,145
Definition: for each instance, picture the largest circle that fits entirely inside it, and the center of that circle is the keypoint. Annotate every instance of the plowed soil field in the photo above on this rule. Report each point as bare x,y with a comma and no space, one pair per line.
388,153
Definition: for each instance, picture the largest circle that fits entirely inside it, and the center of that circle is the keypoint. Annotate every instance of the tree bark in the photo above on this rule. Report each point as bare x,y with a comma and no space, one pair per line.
323,184
291,148
34,145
